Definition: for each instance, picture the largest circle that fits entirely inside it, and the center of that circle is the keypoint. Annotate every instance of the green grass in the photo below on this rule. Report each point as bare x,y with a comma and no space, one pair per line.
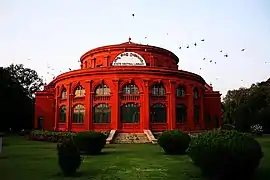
28,160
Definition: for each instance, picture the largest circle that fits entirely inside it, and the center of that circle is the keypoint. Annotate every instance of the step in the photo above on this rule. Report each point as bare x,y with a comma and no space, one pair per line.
129,138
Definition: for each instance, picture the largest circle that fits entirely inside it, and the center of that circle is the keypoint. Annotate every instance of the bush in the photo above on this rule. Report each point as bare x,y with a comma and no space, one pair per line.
174,141
225,154
228,127
90,142
53,136
69,158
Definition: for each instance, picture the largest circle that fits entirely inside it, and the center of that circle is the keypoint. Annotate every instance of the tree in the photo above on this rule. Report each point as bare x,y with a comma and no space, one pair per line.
248,106
17,87
26,77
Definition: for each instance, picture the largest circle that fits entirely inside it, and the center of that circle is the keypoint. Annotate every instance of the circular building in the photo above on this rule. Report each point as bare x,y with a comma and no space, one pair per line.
128,87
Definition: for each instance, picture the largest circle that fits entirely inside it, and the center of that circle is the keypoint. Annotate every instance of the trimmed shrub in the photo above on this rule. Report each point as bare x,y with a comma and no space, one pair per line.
174,141
90,142
69,158
53,136
225,154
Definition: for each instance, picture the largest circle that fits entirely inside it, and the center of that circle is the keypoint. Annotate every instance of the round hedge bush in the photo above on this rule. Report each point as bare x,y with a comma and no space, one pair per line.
225,154
90,142
69,158
174,141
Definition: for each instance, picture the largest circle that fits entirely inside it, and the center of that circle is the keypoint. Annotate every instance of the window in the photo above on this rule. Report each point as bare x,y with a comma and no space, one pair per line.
78,114
102,113
102,90
180,91
130,89
195,93
79,91
197,114
62,114
158,90
181,113
130,113
64,94
158,113
208,120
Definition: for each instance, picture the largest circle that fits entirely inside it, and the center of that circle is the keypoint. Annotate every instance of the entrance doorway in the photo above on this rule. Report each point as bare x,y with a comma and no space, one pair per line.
130,117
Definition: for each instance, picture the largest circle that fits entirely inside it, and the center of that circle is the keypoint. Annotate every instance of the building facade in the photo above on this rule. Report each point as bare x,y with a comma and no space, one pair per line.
129,88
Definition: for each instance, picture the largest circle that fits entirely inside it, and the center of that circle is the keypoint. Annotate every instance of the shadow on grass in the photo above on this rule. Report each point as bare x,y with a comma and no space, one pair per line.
77,174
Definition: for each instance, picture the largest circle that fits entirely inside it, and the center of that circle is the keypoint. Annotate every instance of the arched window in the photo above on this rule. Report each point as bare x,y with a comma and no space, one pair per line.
181,113
64,94
102,90
62,114
180,91
78,114
102,113
130,113
196,114
79,91
130,89
158,113
195,93
158,90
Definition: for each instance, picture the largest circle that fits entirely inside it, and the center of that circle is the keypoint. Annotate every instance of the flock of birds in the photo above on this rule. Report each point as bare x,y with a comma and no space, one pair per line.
51,71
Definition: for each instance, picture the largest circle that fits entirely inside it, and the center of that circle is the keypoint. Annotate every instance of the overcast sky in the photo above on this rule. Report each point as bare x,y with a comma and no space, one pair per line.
57,32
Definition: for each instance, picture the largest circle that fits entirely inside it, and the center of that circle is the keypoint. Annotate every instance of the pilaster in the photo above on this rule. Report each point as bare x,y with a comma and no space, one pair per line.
172,105
69,108
146,105
88,105
202,117
56,112
190,107
115,105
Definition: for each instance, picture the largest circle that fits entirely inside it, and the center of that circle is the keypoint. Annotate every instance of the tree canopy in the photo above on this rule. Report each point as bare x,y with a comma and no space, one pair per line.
17,87
244,107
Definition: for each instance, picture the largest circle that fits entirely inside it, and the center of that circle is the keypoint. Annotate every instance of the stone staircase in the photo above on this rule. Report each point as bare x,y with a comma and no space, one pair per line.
129,138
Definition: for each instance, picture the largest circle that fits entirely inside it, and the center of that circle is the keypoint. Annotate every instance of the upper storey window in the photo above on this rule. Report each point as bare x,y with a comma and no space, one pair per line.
130,89
195,93
64,94
158,90
102,90
79,91
180,91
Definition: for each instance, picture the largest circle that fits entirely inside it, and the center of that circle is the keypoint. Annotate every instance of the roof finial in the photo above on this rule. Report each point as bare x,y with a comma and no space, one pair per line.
129,39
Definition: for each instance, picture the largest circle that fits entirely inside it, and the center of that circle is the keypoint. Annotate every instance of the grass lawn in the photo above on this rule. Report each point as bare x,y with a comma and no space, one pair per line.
28,160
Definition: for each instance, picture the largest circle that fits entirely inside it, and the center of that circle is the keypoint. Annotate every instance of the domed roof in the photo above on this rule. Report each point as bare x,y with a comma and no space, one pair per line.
131,45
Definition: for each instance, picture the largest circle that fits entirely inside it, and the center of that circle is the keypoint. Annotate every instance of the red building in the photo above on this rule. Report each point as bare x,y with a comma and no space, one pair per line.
129,88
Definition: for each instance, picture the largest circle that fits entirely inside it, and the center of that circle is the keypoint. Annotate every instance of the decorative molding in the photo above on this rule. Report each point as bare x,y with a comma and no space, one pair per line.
116,80
89,81
130,81
172,81
101,81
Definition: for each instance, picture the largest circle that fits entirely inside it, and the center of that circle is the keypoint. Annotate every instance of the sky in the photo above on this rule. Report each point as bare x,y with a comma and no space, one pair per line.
56,33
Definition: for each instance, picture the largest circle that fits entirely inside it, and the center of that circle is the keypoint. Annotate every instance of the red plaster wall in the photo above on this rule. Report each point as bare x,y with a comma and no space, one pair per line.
44,106
212,104
161,67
